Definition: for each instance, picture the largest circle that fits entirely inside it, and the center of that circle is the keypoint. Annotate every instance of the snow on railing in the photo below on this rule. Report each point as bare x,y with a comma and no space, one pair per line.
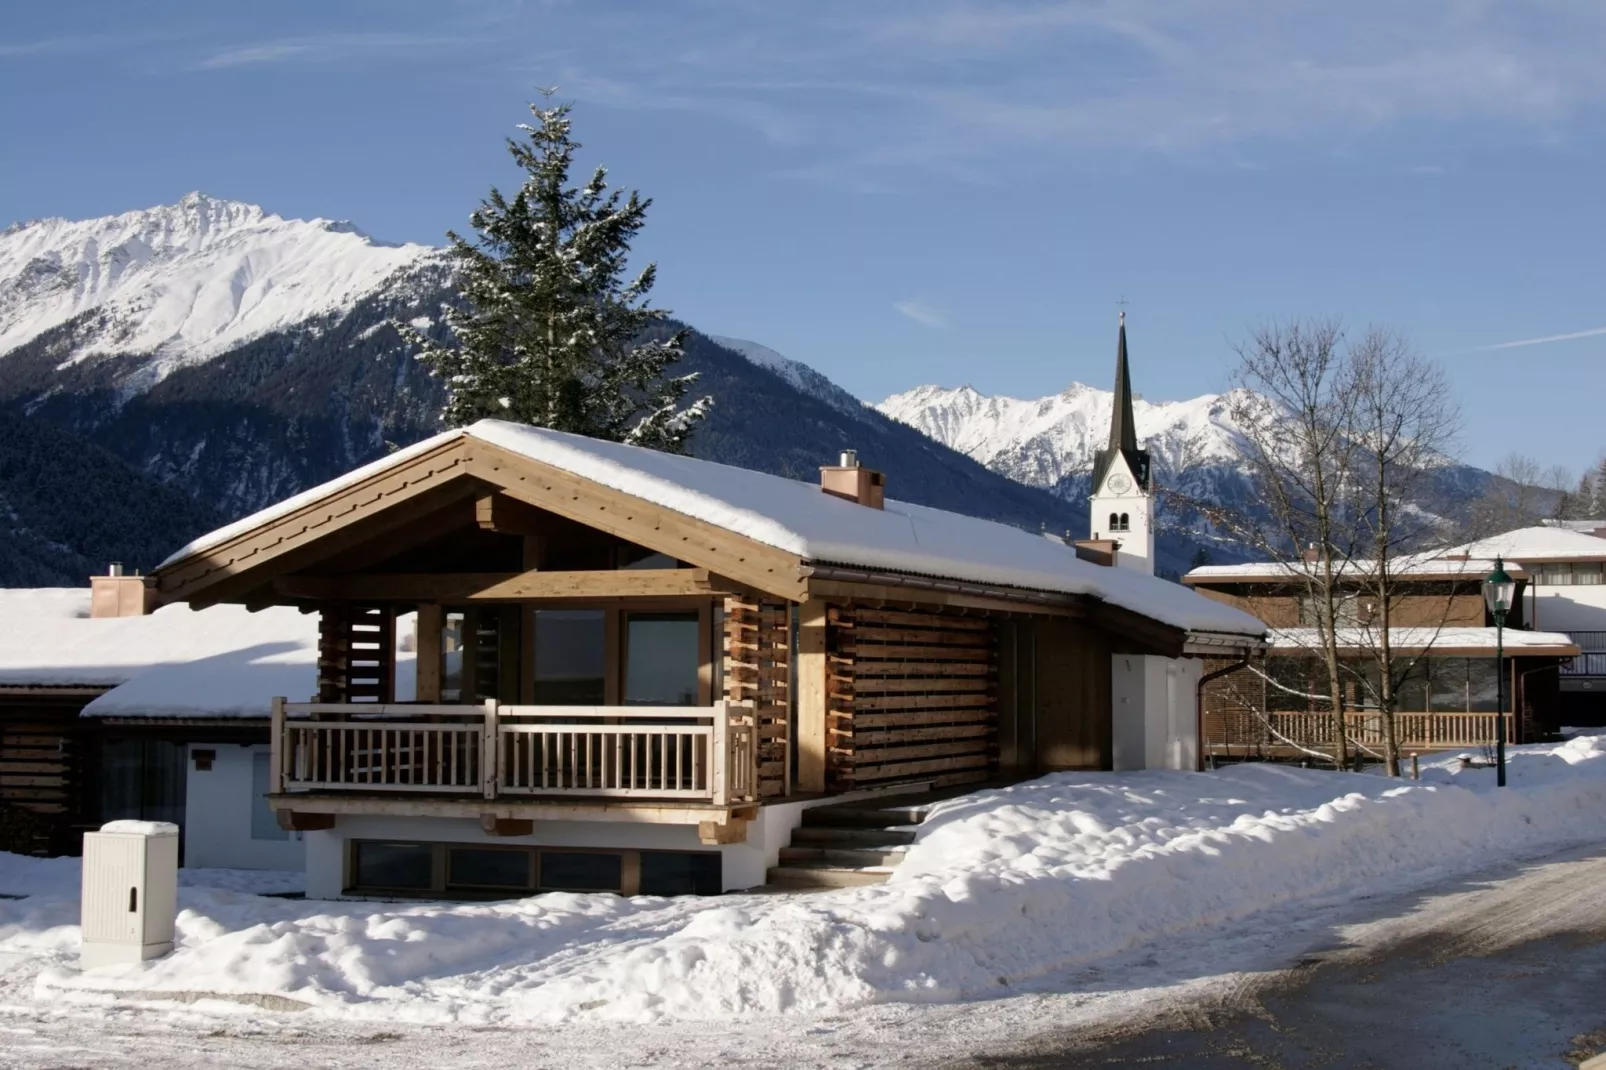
664,752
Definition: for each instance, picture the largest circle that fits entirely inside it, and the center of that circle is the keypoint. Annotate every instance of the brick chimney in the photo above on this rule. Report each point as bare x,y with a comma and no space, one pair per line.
118,595
847,479
1098,551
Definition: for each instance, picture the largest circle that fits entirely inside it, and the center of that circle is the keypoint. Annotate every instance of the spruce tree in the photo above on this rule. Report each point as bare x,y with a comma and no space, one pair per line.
551,332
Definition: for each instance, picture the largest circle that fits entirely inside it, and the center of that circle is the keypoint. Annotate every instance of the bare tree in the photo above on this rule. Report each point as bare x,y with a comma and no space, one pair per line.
1295,407
1522,493
1404,421
1340,438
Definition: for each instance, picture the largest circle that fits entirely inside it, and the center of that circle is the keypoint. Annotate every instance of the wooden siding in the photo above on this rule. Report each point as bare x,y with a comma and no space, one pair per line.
758,644
42,752
1279,608
913,696
1072,727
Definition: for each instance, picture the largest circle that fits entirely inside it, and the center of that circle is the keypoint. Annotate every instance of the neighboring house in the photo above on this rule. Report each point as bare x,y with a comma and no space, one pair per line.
109,711
1566,564
635,670
1444,645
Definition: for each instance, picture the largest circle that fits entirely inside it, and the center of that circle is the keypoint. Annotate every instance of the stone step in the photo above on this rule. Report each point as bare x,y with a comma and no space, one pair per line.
846,836
803,877
862,816
841,856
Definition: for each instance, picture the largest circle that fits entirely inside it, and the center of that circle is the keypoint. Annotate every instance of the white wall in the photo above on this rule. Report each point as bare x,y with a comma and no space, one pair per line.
743,864
1153,712
218,808
1568,609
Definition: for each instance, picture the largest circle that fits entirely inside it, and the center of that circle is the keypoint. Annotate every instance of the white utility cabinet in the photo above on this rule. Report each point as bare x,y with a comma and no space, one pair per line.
130,892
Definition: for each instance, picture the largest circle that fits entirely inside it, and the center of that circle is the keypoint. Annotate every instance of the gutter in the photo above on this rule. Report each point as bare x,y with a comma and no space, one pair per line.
1198,705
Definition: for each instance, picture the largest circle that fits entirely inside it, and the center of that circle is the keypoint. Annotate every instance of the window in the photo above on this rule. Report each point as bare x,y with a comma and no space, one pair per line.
671,873
1483,678
661,659
142,780
570,657
402,866
1115,522
489,871
264,825
581,871
1346,610
1297,680
492,867
1411,691
1447,685
1126,522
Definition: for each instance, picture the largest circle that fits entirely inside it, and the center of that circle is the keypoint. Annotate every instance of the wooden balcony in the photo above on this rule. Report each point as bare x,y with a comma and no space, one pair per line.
700,754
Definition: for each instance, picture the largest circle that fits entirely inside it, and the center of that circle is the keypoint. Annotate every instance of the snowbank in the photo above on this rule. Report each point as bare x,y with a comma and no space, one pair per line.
1001,887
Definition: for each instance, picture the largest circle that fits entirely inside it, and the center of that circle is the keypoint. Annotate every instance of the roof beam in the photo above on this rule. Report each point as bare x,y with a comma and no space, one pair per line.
506,586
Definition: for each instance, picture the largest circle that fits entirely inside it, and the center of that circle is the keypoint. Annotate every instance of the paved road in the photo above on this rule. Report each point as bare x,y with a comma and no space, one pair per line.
1506,974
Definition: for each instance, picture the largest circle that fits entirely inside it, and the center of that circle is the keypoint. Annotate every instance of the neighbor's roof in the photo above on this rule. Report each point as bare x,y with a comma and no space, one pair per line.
48,639
1539,544
1435,564
1518,643
821,529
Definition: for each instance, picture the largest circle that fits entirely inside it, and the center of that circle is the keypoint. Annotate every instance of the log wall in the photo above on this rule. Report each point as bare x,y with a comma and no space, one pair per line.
913,696
758,644
42,745
356,653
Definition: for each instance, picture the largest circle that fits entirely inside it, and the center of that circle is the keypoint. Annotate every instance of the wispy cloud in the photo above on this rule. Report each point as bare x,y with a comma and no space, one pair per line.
1593,332
325,48
922,313
959,85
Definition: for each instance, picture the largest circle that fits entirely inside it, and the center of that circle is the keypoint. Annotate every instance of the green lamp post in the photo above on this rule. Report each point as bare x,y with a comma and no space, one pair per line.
1498,591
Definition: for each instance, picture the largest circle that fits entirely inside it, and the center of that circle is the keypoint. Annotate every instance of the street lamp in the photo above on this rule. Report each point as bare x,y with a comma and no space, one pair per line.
1498,591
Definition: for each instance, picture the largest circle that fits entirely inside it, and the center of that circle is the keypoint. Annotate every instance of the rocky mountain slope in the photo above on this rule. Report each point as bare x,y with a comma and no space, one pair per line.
208,347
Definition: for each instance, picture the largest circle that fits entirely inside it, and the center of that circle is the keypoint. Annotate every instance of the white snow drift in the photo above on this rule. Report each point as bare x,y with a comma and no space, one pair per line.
1003,886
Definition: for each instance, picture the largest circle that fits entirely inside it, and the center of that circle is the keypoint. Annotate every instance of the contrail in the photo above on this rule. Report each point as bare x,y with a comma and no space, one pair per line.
1543,341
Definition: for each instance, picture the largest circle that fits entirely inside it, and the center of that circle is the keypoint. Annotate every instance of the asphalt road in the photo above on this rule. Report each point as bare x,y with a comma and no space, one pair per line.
1507,973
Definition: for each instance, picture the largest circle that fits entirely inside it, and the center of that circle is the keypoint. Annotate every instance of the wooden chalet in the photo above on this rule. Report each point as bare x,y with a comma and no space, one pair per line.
1443,641
633,670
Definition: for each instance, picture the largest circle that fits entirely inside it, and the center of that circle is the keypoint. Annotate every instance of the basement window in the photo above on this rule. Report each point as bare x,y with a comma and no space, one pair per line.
496,871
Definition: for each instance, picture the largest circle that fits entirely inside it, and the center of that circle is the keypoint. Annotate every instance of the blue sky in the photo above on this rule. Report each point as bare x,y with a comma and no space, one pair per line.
943,191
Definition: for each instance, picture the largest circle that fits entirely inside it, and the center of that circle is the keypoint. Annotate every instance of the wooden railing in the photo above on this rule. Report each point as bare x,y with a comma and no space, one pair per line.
679,752
1412,730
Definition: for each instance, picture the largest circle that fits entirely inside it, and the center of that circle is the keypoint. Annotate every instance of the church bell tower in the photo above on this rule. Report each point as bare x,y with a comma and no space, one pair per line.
1123,488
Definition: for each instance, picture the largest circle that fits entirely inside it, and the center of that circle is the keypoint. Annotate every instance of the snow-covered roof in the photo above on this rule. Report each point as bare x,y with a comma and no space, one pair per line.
1435,640
48,639
1433,564
796,517
1538,544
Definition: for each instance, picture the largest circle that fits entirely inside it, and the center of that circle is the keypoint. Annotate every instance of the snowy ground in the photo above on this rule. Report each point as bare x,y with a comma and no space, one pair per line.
1066,901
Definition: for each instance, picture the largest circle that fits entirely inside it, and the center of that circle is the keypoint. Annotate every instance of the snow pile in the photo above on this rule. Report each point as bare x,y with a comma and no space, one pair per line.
1001,887
185,281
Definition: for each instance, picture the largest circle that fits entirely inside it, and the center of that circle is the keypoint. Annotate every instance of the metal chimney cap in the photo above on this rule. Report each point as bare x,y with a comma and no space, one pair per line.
114,569
849,459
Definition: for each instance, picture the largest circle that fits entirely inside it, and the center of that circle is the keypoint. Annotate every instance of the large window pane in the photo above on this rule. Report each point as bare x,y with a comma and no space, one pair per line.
395,865
676,873
1411,693
1483,678
488,867
1294,675
142,780
1447,690
661,660
576,871
570,652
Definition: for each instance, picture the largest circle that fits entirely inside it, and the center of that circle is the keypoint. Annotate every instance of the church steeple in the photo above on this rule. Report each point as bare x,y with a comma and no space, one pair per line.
1123,428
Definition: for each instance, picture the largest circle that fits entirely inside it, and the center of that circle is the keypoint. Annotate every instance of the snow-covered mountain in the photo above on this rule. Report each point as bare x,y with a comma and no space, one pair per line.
1049,442
801,377
183,283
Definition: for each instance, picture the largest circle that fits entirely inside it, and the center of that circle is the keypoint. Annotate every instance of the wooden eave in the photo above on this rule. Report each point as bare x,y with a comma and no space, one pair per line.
250,565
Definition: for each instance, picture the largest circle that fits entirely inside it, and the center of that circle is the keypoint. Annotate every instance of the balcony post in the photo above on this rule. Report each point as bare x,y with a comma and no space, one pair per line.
490,736
719,755
276,744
